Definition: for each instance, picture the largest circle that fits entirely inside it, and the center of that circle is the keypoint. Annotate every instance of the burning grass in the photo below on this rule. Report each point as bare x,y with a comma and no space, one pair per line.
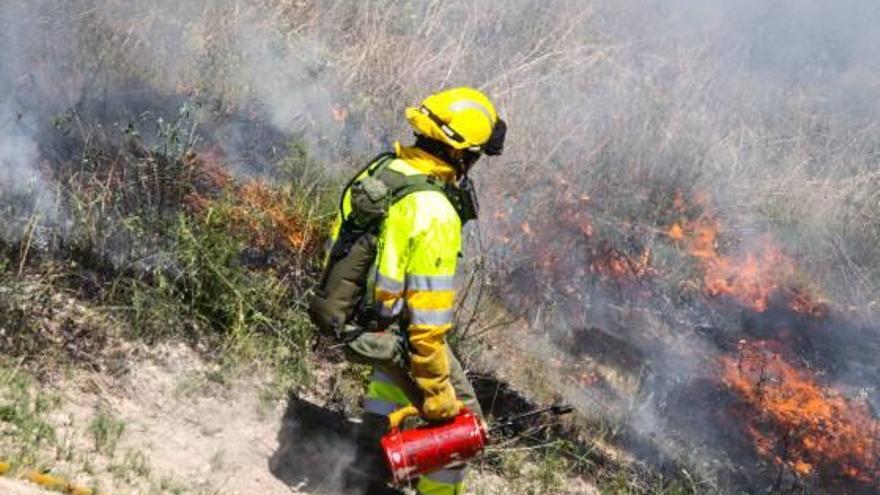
175,245
688,265
749,279
753,277
268,218
798,423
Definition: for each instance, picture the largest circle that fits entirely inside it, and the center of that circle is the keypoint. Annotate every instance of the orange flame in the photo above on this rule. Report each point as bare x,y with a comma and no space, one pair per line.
339,113
749,279
266,216
615,263
801,302
798,423
261,201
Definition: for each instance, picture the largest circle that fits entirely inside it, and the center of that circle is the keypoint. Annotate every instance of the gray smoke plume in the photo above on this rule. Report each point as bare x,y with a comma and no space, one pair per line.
27,198
767,108
26,194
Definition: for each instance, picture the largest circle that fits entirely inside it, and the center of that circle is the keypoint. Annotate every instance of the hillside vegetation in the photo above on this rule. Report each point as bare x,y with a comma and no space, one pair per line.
680,186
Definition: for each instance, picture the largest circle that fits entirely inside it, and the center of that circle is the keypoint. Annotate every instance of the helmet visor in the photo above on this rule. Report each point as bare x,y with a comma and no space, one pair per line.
449,131
493,147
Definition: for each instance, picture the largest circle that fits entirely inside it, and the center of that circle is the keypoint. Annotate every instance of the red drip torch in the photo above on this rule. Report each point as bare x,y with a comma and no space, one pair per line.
411,453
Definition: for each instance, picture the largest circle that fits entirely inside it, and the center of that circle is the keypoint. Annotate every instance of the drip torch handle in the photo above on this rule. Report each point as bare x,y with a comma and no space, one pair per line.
398,416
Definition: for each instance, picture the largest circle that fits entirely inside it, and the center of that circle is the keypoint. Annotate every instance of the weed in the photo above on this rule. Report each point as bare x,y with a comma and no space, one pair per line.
553,469
22,417
189,385
133,465
65,449
167,484
346,387
106,431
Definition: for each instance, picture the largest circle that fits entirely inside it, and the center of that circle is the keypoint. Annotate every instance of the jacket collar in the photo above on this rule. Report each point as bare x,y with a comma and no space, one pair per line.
425,162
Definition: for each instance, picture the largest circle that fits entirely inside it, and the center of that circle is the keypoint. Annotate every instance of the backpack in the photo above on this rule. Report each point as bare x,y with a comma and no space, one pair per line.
339,306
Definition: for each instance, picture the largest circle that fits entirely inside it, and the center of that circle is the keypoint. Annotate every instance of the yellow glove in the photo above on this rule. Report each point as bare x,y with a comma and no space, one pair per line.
441,407
429,365
398,416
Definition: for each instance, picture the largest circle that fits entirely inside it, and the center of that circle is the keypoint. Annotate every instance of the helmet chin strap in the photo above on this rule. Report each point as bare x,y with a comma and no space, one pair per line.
461,162
463,195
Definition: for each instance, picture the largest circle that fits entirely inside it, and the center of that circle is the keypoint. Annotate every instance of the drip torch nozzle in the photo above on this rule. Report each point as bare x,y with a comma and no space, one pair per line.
508,423
560,410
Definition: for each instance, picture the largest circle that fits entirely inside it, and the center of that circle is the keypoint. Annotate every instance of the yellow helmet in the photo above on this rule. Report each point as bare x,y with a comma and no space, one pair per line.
462,118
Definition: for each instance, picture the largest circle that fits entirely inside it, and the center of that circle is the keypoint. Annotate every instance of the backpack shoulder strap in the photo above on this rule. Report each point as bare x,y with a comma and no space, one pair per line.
402,185
372,167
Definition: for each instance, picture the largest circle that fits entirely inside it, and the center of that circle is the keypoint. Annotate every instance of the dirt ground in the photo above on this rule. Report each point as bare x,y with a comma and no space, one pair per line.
180,433
170,424
16,487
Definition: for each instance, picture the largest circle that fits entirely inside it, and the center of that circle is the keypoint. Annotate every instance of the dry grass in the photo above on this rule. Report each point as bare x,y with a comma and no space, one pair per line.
607,126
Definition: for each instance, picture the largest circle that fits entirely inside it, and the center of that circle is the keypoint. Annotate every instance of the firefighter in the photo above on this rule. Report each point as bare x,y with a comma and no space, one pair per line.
412,289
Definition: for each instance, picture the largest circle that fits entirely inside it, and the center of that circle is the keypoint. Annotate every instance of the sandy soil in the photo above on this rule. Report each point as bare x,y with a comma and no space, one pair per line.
181,432
16,487
186,434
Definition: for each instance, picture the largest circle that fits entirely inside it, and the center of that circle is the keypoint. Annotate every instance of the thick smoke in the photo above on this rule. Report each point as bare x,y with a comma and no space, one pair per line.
765,108
25,192
18,157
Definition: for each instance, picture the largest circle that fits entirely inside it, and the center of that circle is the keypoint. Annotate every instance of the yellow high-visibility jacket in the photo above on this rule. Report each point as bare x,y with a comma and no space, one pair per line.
418,249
